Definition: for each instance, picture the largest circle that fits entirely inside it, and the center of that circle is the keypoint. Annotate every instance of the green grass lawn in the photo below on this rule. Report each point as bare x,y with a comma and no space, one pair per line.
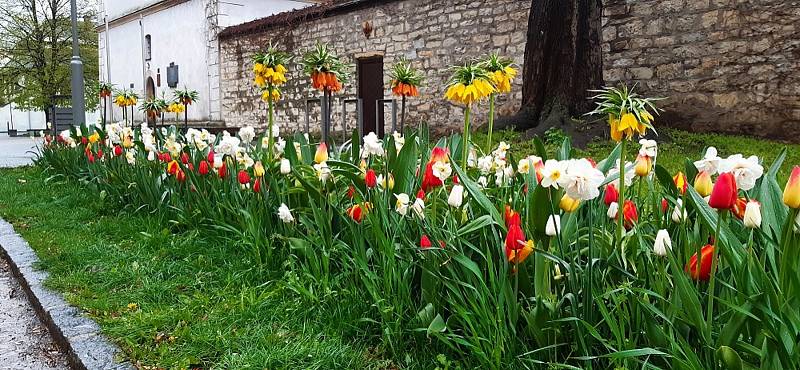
175,299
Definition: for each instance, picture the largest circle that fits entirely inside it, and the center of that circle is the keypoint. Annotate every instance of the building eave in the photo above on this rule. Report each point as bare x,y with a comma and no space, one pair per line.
140,12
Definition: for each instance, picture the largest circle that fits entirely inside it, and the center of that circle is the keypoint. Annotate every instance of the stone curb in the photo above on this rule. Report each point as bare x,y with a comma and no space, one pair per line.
79,337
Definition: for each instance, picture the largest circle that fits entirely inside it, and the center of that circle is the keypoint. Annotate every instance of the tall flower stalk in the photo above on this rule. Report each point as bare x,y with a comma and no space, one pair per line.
501,72
269,69
327,73
628,114
126,98
186,97
469,83
405,82
104,90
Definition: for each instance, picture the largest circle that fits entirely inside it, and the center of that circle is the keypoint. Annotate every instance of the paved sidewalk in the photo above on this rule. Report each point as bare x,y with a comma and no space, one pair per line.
24,342
17,151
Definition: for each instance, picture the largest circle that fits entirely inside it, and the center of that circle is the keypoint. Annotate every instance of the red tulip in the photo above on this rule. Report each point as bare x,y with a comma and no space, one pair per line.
439,154
244,177
630,214
356,212
90,156
705,264
184,158
739,208
429,181
210,156
455,179
421,194
664,205
191,167
612,195
515,239
724,194
117,150
99,153
511,217
203,168
424,242
257,185
370,179
351,192
180,175
223,170
84,140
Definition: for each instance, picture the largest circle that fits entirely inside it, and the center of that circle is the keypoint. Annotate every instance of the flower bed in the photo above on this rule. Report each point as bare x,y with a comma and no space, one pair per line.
515,260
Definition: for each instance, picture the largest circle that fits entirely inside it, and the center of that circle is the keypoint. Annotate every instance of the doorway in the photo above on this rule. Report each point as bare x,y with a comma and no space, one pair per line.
149,94
370,90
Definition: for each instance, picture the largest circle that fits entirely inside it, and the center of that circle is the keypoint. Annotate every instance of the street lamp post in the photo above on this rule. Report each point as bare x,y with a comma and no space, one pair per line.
76,69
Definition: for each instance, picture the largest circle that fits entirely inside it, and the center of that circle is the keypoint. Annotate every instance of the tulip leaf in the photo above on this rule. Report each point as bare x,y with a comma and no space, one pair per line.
727,237
607,164
666,181
774,211
475,225
565,150
540,149
355,146
728,357
437,325
404,166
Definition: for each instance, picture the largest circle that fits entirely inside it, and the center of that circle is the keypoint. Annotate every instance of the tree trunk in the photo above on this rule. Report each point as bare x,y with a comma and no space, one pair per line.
562,61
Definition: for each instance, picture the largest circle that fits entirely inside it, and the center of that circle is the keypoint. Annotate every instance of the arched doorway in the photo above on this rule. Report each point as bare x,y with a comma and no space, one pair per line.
150,93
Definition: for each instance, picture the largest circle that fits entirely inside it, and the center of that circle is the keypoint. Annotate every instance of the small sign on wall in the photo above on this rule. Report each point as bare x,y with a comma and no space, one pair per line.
172,75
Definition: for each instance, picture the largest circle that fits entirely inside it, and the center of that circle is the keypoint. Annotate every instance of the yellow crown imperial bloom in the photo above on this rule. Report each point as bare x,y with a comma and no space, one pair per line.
280,69
613,122
258,68
274,96
259,80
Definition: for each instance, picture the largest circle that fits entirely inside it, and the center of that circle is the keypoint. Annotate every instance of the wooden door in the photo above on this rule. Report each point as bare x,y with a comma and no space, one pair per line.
370,90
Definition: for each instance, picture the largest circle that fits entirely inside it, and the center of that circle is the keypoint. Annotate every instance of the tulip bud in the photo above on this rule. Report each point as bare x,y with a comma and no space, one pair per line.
679,213
705,264
258,169
791,194
629,214
664,205
356,212
203,168
223,170
456,197
370,179
244,177
553,226
569,204
752,215
680,182
515,239
613,208
703,184
322,153
180,176
725,193
184,158
210,157
644,165
257,185
662,243
424,242
90,156
286,166
611,195
117,150
510,216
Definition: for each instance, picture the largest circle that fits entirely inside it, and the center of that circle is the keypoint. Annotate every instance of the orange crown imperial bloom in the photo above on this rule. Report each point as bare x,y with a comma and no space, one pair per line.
724,194
791,194
322,153
680,182
703,184
404,89
705,264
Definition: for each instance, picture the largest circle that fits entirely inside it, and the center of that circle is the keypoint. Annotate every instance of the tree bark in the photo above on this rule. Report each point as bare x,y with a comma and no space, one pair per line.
562,61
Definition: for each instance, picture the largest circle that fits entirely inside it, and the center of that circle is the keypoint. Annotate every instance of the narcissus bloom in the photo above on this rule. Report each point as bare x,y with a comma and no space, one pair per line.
705,264
553,174
746,171
569,204
680,182
710,162
725,192
582,180
703,184
791,194
401,205
322,153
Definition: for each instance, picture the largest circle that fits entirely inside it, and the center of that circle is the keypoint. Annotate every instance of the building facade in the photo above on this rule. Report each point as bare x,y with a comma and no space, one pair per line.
724,65
146,38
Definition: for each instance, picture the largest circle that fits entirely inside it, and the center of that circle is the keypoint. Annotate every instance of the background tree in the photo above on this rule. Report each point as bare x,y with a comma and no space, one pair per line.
35,51
562,61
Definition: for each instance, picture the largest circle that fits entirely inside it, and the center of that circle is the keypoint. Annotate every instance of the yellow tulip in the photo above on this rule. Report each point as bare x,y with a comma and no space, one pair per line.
644,165
258,169
322,153
703,184
569,204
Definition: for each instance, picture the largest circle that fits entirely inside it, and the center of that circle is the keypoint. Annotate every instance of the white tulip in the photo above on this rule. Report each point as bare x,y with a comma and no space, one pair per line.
401,206
456,197
752,215
553,226
286,166
399,141
662,243
285,214
613,208
679,213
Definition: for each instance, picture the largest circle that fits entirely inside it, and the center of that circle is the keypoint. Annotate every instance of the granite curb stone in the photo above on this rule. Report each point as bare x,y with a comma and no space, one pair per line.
79,337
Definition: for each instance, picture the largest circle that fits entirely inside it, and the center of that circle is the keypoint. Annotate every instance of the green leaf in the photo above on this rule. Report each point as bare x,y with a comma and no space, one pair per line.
478,195
437,325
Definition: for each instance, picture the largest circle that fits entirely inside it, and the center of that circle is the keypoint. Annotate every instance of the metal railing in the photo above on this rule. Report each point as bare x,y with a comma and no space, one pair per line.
379,105
359,116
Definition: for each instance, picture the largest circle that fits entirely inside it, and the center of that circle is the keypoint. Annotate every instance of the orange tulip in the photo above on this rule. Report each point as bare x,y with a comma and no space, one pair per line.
705,264
630,214
739,208
680,182
519,255
791,194
322,153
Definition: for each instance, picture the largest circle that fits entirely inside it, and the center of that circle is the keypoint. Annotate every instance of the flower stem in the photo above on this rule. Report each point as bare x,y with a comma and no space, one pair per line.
491,122
710,305
621,200
270,119
465,145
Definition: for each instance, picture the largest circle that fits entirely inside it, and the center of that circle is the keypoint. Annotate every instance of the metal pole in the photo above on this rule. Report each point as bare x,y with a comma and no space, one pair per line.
76,71
108,59
144,67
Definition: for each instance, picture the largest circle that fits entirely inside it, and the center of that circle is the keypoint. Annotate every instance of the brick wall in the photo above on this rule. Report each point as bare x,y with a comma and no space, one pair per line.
432,34
725,65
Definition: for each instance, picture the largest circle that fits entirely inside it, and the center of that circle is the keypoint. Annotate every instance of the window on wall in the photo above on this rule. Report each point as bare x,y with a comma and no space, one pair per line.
147,48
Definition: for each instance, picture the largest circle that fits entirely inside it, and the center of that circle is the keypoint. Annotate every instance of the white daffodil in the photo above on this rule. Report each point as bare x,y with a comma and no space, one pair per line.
554,174
746,170
285,214
419,208
372,146
442,170
613,208
247,134
483,181
130,156
486,164
584,180
228,145
401,205
456,197
649,148
662,243
472,158
553,226
279,146
629,174
752,215
286,166
501,150
710,162
151,155
399,141
323,171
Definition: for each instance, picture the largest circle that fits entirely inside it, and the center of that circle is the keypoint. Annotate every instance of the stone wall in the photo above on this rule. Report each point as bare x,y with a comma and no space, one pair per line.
725,65
432,34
